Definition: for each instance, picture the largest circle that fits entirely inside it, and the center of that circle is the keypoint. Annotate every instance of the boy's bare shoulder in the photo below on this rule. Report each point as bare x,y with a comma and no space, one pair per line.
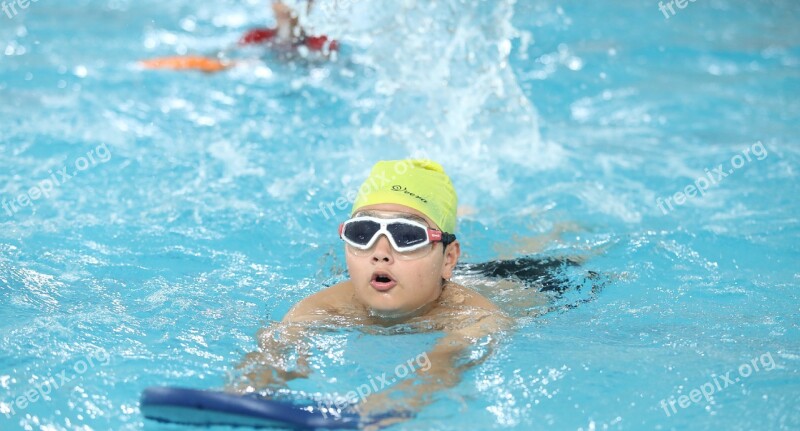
482,316
464,296
320,304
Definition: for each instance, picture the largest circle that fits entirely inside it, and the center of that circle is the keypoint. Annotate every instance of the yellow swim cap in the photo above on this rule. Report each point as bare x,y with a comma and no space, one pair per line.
419,184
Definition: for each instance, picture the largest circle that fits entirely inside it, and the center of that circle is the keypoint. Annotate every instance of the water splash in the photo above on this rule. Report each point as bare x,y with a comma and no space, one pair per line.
441,86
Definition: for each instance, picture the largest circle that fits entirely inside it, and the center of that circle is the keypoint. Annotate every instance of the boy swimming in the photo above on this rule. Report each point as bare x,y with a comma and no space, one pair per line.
401,251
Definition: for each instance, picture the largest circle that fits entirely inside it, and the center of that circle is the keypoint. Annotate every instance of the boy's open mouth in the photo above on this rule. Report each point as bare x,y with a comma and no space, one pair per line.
382,281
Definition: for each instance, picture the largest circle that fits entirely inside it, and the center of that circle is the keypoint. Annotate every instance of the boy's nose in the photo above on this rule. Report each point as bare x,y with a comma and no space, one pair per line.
383,250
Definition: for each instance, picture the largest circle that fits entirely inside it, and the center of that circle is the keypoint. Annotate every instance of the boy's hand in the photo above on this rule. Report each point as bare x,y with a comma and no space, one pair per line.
280,358
376,412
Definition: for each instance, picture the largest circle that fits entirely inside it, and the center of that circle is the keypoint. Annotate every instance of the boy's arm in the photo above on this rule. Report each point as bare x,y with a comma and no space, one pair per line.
275,342
447,364
267,367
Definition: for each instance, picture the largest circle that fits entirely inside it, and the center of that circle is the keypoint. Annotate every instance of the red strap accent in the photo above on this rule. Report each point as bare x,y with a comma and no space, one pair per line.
257,35
435,235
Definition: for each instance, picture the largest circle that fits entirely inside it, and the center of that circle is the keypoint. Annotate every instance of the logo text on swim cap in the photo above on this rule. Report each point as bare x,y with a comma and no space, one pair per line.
398,188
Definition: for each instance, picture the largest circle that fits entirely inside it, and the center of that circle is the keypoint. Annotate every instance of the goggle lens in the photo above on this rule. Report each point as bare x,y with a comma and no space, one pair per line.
361,232
406,235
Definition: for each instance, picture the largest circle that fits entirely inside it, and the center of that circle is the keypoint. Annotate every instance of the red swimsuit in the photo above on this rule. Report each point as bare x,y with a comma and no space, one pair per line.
264,35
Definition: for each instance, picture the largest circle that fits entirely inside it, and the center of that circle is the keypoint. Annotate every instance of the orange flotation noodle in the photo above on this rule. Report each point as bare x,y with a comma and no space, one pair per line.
187,62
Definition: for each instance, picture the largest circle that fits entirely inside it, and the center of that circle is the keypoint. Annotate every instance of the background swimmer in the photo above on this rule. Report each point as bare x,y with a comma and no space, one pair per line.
287,37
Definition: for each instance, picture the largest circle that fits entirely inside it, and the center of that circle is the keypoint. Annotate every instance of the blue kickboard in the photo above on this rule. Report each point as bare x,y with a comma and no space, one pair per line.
207,408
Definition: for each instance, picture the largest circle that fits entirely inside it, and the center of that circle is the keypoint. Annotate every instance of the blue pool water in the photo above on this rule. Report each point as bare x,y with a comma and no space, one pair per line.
192,215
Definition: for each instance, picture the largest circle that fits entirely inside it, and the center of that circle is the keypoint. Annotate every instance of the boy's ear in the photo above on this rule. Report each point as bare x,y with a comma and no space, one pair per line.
451,254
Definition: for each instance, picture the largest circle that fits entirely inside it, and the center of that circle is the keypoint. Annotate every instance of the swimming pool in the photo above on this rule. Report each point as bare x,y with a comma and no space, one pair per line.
178,213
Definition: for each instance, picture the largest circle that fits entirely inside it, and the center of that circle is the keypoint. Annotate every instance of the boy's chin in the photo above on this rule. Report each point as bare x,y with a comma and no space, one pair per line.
383,309
386,310
389,314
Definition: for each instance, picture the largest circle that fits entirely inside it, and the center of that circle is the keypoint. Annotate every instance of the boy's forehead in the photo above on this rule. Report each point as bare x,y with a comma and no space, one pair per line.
395,211
391,214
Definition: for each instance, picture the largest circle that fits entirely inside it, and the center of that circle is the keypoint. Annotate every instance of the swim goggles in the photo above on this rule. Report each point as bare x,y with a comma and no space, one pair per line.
406,236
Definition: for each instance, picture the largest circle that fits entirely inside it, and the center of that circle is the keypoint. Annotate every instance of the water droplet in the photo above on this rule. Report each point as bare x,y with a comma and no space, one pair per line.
80,71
